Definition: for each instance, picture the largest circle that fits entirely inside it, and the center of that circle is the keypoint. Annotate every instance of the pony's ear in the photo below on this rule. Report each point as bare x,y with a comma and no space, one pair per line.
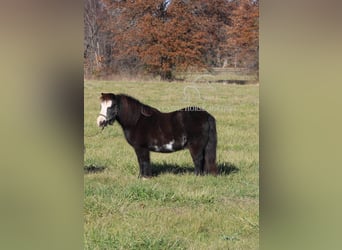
146,111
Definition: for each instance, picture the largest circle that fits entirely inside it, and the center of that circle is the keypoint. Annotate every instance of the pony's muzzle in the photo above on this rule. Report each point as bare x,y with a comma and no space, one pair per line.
101,121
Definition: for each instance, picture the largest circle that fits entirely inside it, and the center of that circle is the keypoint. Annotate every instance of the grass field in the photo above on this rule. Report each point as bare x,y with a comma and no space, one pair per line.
175,209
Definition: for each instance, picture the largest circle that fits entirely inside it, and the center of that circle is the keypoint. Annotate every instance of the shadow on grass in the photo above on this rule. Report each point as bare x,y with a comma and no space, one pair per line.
225,168
91,169
163,168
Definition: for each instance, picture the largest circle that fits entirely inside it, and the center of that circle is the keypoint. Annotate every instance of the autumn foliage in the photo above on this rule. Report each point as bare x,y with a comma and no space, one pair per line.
163,37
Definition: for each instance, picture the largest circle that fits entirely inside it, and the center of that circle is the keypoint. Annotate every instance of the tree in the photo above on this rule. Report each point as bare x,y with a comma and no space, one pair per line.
167,36
243,34
92,29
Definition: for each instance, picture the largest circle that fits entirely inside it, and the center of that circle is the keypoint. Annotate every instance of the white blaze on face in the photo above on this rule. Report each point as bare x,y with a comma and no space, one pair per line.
103,113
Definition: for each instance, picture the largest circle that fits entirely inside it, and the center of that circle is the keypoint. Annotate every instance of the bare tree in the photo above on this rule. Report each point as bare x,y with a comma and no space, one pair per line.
94,37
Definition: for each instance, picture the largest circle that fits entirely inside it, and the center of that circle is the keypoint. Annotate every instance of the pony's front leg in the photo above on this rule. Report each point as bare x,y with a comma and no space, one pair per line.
143,156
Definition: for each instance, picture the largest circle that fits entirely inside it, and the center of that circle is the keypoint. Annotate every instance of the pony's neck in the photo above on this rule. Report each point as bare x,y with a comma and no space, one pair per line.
129,111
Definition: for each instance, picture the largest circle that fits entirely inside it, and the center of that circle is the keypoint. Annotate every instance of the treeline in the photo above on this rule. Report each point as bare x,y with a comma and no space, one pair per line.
163,37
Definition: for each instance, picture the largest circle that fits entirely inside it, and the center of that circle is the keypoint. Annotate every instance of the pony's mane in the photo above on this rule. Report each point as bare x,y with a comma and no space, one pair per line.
131,109
134,102
130,99
110,96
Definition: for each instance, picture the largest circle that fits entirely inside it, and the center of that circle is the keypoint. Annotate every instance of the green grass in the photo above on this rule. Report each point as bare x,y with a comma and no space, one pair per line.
175,209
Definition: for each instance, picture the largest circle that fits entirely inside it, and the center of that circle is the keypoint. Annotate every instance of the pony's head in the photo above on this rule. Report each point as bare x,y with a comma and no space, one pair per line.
109,109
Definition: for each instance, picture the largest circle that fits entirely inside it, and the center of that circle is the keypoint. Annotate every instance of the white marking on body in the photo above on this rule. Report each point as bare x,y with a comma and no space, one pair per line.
183,140
169,146
163,148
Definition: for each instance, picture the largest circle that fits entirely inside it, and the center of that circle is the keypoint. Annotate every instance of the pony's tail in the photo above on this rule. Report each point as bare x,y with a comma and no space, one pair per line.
210,149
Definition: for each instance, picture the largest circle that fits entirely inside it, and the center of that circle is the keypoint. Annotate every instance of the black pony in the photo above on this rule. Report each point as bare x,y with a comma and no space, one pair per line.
147,129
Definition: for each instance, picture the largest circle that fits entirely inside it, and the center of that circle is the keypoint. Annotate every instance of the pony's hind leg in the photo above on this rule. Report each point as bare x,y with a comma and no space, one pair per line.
143,156
210,149
197,154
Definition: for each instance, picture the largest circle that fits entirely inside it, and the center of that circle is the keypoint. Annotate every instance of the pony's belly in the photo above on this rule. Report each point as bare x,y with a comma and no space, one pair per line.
172,146
162,150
